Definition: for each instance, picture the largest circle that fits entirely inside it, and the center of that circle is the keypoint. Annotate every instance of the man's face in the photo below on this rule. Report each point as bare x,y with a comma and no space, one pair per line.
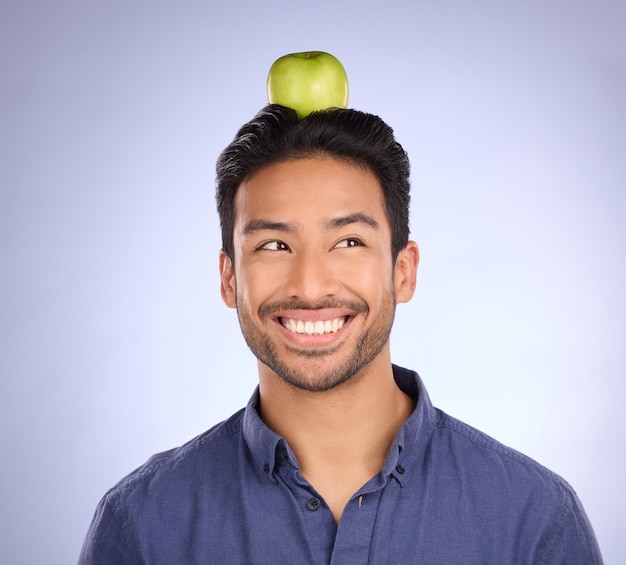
313,281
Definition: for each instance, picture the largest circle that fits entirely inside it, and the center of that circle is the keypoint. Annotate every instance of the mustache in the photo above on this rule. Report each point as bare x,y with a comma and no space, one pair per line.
268,308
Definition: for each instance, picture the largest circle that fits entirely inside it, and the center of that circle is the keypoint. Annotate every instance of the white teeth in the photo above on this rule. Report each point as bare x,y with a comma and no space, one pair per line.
313,328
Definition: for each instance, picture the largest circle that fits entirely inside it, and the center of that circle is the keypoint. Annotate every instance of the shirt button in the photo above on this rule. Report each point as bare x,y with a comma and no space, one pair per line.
400,469
314,503
266,467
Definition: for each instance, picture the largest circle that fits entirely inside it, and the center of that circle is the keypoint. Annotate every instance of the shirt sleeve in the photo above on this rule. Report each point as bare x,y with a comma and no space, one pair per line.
105,542
574,540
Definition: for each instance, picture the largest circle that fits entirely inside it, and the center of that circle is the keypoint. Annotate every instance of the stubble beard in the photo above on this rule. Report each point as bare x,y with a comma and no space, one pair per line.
306,372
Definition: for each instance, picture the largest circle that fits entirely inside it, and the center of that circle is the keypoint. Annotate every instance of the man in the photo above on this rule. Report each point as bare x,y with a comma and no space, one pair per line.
339,457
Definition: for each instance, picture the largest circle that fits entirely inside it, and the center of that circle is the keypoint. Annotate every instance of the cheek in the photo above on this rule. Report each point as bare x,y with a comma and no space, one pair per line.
255,286
372,282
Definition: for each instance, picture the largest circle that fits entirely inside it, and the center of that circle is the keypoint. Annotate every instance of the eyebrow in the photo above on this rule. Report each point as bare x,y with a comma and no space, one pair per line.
356,218
268,225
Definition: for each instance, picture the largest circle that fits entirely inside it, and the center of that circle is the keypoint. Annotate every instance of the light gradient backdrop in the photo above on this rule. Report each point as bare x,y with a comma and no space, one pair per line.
114,343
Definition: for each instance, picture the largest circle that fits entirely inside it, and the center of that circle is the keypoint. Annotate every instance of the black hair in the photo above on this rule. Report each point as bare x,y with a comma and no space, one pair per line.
278,134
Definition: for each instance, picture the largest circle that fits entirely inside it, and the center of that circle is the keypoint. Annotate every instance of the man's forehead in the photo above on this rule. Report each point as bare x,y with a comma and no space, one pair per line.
283,182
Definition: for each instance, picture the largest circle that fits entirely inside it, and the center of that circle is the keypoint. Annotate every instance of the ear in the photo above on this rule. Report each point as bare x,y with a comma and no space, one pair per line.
405,273
227,278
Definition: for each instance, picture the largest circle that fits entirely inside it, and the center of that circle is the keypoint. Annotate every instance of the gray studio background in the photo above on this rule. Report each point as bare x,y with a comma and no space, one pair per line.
114,343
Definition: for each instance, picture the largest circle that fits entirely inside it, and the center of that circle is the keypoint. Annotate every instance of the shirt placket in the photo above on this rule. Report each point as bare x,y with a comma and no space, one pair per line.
356,528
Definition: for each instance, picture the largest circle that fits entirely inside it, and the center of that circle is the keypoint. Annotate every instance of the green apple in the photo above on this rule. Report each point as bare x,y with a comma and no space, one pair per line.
307,82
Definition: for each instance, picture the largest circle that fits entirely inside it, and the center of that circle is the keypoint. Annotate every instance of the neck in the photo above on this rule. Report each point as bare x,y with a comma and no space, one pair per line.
340,437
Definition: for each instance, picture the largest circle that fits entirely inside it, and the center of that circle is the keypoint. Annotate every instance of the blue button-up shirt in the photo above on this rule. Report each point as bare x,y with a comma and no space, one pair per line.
446,495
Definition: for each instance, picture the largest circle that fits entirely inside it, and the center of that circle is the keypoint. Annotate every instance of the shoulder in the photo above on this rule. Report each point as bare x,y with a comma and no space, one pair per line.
505,487
159,499
212,453
451,448
484,456
501,481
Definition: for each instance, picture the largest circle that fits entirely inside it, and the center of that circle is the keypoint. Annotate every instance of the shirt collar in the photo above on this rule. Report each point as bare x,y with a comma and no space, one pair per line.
411,440
267,446
264,444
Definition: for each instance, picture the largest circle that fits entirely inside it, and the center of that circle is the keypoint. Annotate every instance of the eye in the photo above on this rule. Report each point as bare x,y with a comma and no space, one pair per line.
350,242
273,246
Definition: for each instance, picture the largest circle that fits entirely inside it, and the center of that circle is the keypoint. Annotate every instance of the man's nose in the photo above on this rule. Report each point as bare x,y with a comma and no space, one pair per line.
312,276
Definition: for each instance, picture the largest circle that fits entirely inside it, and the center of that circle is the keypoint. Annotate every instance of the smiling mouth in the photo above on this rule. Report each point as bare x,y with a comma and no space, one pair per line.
318,327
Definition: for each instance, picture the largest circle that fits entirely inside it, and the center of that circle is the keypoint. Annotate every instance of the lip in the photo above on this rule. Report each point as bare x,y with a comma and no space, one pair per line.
313,316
